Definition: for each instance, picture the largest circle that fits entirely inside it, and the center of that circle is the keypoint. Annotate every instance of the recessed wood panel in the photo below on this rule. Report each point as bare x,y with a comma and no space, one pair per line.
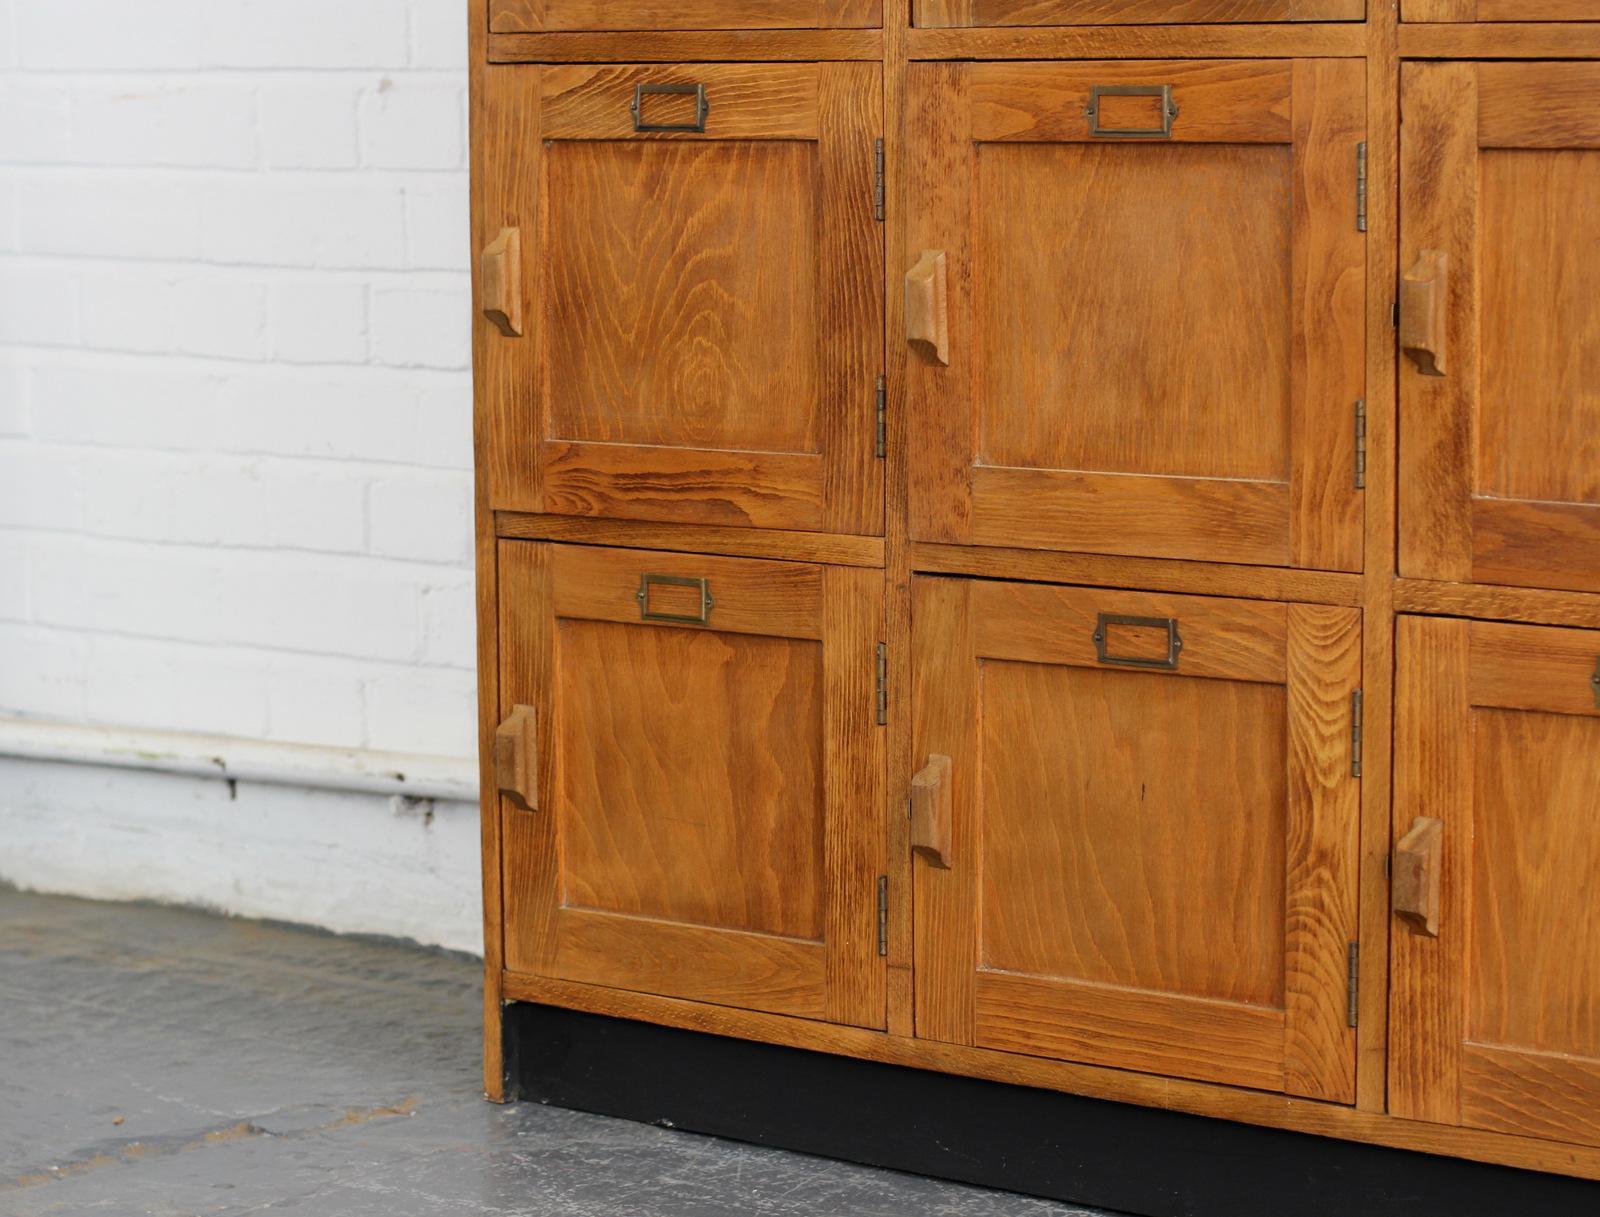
1129,12
1153,830
662,329
1099,303
1539,408
692,770
1115,807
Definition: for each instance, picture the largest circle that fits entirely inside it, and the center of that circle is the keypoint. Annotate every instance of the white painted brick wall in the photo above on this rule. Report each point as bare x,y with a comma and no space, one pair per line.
235,491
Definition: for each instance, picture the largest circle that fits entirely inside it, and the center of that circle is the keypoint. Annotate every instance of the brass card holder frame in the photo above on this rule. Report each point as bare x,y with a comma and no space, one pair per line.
1169,111
703,586
1169,624
702,108
1594,683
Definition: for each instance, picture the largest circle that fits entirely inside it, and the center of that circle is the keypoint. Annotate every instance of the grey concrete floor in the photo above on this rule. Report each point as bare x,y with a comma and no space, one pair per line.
160,1061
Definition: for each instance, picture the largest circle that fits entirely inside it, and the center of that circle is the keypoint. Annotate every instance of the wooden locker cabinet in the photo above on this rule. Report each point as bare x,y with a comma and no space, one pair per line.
1154,305
697,257
1153,837
1500,395
1497,1011
1129,12
709,816
1057,542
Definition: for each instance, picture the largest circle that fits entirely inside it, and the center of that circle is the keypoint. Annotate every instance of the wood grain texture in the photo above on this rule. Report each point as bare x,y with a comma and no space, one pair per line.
1439,211
1432,778
1120,1085
930,812
1329,346
1321,850
1139,42
537,15
1113,804
1531,1093
715,819
1500,10
1124,1028
944,695
712,329
1072,271
1500,41
1151,574
694,538
668,46
1502,603
1126,12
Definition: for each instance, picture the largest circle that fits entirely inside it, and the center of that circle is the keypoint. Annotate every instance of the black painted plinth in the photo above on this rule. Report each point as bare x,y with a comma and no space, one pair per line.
1085,1151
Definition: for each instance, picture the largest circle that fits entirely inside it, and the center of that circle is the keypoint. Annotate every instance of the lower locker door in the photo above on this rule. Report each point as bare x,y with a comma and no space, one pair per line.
1153,839
1495,1006
710,825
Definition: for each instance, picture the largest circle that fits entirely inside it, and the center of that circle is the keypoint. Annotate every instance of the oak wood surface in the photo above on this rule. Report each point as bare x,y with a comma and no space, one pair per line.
1062,419
713,822
678,46
1138,42
536,15
692,538
1122,12
1090,847
1501,180
1550,40
1502,603
705,338
1498,733
1500,10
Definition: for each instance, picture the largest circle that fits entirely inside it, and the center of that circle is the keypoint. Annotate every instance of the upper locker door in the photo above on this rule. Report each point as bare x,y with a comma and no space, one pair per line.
1500,318
1495,967
696,781
695,264
1150,809
1147,280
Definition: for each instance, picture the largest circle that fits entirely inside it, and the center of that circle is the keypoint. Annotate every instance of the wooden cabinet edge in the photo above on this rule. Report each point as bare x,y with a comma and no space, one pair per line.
1143,574
1500,40
833,549
1530,605
1143,1090
688,46
1288,40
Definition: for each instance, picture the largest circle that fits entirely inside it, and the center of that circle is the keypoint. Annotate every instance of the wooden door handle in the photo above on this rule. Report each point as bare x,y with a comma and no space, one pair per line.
516,757
927,310
1415,875
500,282
930,811
1424,292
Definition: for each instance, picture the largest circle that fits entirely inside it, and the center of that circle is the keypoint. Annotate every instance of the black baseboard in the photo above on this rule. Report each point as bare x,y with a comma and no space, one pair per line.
1083,1151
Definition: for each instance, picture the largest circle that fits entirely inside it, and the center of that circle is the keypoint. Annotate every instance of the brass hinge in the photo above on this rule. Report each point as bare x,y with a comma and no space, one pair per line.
1361,187
883,684
878,193
882,446
1353,992
883,914
1356,710
1361,445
